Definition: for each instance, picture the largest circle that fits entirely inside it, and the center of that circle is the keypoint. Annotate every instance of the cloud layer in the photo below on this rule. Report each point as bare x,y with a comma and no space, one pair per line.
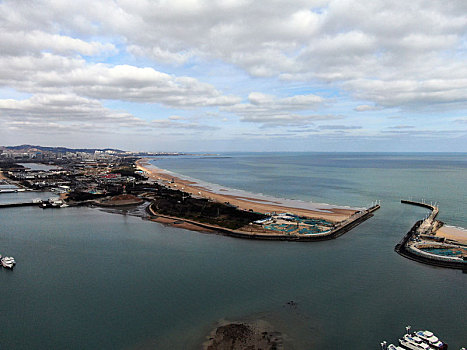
295,64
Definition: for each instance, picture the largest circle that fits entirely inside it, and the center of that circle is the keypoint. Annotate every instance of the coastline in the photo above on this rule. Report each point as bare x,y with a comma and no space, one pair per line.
250,203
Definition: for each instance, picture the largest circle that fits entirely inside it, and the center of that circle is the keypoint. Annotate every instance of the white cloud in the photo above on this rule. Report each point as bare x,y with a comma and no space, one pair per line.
63,110
176,124
36,41
49,73
371,48
366,108
71,55
340,127
270,110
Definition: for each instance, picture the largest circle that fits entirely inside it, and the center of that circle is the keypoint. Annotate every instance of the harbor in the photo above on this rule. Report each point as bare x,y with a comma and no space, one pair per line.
426,243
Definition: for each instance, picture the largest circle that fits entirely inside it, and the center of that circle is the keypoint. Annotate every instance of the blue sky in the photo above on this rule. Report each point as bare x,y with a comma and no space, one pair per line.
191,75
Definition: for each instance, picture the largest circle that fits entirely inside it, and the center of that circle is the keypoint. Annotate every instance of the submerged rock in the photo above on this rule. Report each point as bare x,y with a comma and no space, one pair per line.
242,335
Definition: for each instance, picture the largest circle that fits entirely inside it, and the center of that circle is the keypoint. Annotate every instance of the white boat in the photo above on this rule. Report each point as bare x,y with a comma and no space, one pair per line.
384,346
413,342
432,340
10,259
8,262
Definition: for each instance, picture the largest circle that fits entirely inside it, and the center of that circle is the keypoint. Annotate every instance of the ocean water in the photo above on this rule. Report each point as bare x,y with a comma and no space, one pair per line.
89,279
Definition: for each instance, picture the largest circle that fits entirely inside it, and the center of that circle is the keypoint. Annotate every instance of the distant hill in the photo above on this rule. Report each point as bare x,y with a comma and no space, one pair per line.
32,148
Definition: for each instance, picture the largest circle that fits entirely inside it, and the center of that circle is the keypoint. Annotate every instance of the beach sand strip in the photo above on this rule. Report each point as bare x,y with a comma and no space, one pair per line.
453,233
244,203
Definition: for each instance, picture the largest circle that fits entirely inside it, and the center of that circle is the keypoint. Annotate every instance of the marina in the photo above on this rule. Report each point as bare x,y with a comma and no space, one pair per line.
420,340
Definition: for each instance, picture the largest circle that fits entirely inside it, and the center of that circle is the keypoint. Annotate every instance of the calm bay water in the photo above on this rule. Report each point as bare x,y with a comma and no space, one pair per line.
88,279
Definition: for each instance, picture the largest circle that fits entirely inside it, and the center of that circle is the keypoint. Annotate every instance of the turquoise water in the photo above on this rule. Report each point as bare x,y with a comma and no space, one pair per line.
88,279
444,252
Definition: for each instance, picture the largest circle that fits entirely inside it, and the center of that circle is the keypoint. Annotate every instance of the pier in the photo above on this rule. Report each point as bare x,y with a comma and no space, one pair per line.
422,236
428,225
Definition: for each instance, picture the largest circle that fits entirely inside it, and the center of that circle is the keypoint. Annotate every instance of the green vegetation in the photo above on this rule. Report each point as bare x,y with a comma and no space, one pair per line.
180,204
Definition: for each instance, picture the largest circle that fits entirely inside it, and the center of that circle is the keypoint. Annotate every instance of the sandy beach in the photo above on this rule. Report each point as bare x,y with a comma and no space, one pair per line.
245,203
453,233
2,177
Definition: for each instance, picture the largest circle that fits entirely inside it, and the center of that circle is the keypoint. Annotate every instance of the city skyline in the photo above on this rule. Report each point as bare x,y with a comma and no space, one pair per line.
235,75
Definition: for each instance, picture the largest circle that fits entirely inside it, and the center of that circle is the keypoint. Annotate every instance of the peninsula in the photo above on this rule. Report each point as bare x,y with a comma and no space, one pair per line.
273,219
118,179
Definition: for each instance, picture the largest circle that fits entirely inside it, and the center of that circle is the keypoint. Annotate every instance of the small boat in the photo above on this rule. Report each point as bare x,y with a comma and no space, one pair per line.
384,346
8,262
413,342
394,347
432,340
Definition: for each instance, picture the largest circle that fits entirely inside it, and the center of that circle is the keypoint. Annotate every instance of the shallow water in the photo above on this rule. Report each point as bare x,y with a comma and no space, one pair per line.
91,279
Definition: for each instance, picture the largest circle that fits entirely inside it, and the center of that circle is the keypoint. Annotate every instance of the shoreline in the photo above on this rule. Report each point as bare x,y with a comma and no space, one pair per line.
342,220
250,203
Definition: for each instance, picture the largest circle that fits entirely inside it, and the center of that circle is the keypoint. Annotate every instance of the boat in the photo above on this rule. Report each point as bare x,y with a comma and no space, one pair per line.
390,346
432,340
394,347
8,262
413,342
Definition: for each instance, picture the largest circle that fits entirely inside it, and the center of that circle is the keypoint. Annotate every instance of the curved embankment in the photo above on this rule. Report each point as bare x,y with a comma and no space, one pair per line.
339,230
407,247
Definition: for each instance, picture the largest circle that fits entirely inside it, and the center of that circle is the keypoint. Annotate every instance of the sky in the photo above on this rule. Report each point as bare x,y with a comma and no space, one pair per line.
192,75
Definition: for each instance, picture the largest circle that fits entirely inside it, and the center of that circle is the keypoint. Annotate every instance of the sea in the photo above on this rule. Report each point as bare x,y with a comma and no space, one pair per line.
93,279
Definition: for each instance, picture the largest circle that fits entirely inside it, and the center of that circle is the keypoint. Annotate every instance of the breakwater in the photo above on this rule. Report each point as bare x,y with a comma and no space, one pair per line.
12,205
407,247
